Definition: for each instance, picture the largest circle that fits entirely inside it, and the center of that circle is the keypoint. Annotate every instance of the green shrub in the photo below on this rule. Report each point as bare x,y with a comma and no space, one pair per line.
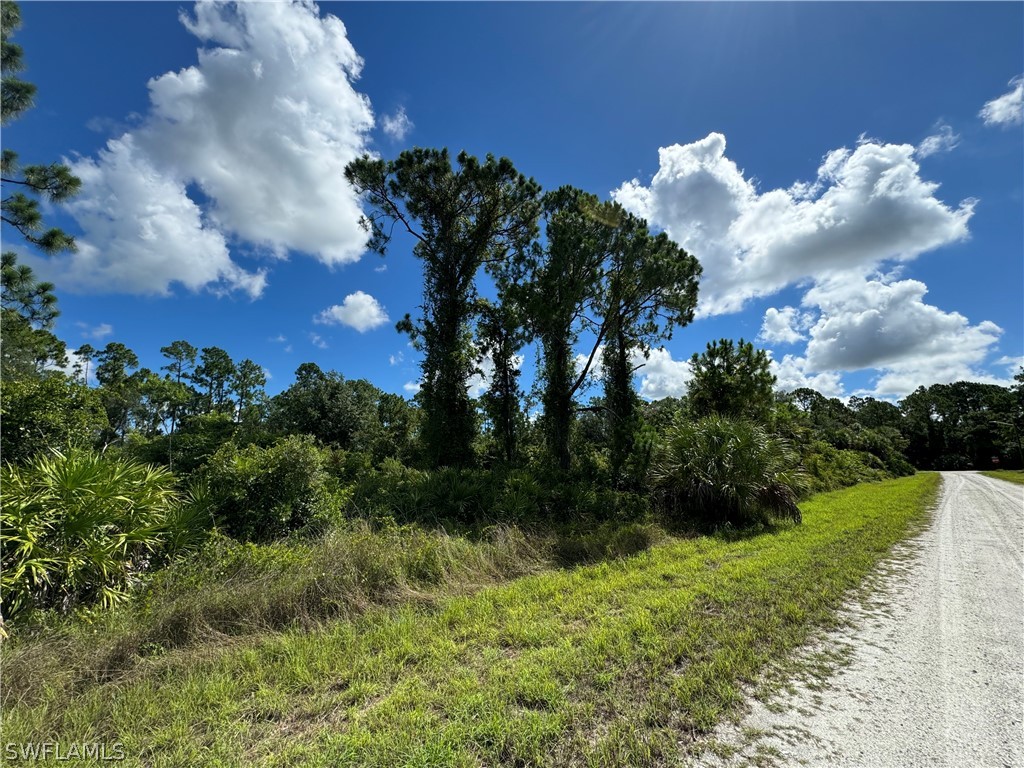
726,471
197,439
48,412
263,493
829,468
77,527
520,498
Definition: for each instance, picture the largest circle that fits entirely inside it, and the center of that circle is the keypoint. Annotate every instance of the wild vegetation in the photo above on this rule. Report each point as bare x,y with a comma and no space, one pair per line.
180,524
619,663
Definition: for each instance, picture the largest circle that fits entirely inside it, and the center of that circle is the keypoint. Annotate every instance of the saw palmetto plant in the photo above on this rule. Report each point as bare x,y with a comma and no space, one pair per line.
77,527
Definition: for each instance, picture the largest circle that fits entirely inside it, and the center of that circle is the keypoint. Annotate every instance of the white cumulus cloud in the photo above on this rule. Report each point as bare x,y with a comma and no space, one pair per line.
262,125
867,205
358,310
784,326
1007,109
661,376
398,125
943,141
877,322
873,321
791,373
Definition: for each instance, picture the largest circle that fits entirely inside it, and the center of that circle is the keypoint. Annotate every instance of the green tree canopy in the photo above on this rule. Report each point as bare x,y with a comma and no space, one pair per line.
334,410
28,309
732,379
649,288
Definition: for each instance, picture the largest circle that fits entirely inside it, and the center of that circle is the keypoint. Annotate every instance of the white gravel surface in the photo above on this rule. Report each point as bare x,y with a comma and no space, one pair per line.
935,672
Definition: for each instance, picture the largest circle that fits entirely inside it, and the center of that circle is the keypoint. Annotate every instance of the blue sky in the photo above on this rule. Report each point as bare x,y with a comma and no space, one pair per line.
849,175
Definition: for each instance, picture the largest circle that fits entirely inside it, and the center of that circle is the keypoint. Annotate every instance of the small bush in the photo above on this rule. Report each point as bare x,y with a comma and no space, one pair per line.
726,471
262,493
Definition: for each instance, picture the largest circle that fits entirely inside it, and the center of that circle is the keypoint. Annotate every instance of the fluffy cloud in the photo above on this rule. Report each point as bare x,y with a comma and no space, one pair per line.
359,310
943,141
1008,109
792,374
866,205
877,322
263,125
97,332
142,232
661,376
784,326
880,322
397,126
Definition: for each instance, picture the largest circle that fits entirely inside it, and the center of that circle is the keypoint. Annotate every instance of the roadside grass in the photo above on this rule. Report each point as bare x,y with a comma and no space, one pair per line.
230,592
621,663
1013,475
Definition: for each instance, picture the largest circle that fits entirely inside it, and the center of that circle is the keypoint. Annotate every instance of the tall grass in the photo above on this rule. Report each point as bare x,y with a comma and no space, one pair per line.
232,590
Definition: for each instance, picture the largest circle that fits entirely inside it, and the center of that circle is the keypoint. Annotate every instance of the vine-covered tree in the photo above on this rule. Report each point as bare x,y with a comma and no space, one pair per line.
601,271
501,338
460,218
557,287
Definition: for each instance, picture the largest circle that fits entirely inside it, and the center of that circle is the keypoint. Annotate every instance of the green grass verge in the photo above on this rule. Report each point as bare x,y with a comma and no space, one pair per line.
621,663
1013,475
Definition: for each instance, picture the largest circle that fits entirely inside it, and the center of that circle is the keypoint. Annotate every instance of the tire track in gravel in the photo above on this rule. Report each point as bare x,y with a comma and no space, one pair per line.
935,657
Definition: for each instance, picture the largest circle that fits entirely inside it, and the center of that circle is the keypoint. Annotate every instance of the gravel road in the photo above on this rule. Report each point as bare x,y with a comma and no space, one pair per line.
935,672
